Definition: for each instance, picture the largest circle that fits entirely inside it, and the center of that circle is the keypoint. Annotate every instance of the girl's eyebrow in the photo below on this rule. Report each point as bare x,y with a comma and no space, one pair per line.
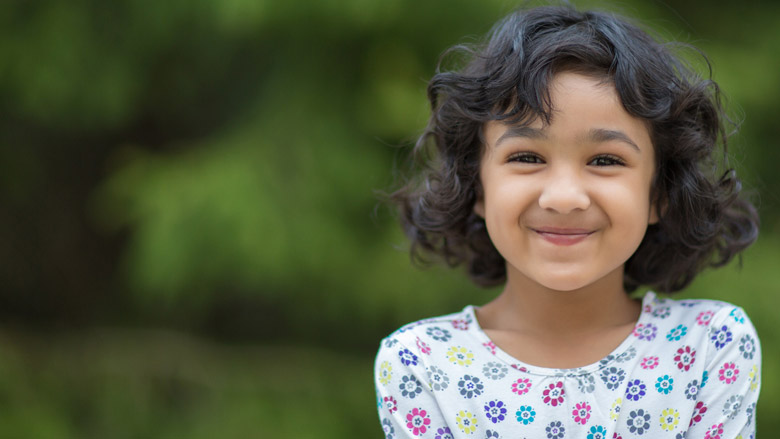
595,135
521,131
598,135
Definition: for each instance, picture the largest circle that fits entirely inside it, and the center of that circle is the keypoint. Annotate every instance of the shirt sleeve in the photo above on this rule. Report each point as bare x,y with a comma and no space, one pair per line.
406,401
726,406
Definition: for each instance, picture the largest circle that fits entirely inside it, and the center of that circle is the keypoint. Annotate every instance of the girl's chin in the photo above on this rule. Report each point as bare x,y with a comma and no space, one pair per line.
568,281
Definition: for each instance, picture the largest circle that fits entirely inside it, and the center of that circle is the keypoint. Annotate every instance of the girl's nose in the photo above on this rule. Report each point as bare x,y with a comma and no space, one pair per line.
564,193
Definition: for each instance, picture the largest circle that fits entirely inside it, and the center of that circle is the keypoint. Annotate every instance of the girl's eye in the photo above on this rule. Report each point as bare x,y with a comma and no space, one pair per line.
525,157
607,160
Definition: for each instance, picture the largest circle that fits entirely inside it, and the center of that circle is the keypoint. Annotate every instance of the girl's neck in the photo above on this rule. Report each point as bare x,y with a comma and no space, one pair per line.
529,308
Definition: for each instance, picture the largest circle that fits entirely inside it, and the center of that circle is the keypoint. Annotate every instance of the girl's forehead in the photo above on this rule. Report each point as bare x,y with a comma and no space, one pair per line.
582,107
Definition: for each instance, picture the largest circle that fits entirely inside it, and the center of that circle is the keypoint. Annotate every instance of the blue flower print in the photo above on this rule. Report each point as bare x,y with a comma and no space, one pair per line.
492,435
525,414
638,421
407,357
662,312
444,433
749,411
732,406
597,432
664,384
388,429
438,334
410,386
635,390
627,355
692,391
747,347
677,333
437,379
704,377
612,377
555,430
470,386
494,371
390,342
721,337
586,383
738,315
495,411
606,360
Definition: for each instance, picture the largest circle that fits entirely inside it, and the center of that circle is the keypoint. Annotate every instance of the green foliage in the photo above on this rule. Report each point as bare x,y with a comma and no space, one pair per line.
155,384
221,161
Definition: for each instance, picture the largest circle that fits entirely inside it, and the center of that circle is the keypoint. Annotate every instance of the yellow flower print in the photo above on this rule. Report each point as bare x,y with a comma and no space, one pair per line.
385,373
466,422
754,378
460,356
669,419
615,410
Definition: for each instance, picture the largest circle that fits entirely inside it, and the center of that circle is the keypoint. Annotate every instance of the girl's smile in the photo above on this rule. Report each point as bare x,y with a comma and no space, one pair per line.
562,236
566,204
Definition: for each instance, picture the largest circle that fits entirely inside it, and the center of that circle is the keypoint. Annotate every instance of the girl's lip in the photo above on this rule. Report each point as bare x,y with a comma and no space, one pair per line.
562,236
561,231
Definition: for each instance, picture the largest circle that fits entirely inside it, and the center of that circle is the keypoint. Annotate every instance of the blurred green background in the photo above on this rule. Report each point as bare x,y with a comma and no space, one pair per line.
191,241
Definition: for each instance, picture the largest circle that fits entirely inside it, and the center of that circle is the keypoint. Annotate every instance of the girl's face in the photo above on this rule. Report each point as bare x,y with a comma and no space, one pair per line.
567,204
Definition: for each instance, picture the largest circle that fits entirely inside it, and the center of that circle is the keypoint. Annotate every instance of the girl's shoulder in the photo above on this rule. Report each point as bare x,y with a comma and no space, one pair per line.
702,312
713,328
444,328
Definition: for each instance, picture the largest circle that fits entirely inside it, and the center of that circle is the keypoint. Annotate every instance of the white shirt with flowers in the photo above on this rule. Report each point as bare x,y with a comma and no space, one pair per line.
690,369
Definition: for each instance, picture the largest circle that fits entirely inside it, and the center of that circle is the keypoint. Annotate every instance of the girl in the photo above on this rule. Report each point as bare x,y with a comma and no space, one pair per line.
575,159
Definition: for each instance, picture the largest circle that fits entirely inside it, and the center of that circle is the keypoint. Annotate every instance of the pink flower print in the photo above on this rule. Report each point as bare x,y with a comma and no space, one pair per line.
714,432
521,386
490,347
649,363
685,357
519,367
417,421
616,436
423,347
391,404
728,373
581,413
698,413
704,317
461,324
645,331
647,308
553,394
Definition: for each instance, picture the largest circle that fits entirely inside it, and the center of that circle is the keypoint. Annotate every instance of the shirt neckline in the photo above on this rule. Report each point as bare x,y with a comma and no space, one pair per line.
618,353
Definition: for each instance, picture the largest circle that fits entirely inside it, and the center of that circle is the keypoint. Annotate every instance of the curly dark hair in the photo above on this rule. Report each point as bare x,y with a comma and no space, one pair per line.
703,221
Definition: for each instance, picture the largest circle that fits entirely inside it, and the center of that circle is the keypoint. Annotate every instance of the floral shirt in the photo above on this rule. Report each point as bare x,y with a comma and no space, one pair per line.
690,369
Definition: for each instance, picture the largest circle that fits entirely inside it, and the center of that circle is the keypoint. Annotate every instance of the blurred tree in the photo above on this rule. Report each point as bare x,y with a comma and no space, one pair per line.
212,166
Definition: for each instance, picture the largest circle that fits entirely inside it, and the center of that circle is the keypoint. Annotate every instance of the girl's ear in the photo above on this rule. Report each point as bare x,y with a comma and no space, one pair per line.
655,215
479,207
654,218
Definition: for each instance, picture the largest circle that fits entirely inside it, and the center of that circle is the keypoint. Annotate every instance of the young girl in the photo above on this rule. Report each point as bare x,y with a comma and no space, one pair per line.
575,159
